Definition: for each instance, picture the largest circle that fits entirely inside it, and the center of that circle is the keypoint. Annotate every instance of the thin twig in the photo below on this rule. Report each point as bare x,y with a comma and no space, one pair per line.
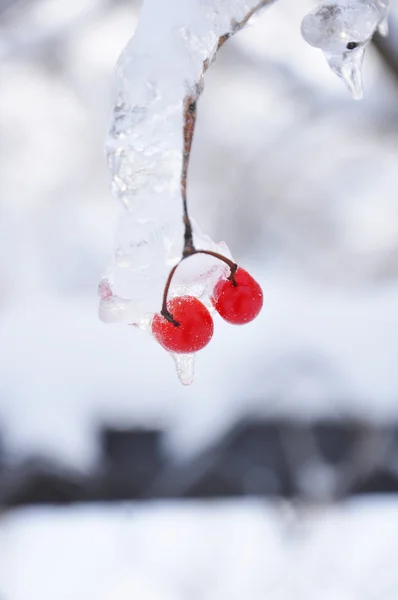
232,265
190,104
165,311
189,127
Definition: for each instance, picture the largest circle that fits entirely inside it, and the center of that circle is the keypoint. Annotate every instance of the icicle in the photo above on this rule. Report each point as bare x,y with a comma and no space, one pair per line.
343,30
185,364
348,66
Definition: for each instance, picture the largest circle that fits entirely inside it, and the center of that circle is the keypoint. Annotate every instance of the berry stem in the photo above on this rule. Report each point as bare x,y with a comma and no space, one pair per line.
165,311
233,268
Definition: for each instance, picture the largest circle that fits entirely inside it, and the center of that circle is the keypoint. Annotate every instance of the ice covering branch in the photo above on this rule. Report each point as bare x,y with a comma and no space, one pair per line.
159,78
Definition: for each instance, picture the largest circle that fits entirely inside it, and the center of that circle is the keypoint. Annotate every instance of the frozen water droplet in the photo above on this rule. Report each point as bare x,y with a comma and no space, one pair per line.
348,66
185,367
343,30
332,26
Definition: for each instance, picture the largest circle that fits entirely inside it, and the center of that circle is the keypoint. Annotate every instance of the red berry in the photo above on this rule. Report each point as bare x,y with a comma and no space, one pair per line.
195,327
240,303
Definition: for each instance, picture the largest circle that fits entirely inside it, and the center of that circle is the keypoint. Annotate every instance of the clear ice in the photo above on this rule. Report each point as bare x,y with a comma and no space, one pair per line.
159,69
343,30
185,365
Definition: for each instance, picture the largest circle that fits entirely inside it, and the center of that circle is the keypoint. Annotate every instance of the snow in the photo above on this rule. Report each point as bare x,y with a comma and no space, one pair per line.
222,550
300,181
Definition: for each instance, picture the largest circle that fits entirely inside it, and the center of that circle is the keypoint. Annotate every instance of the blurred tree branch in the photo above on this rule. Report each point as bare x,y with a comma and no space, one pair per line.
388,50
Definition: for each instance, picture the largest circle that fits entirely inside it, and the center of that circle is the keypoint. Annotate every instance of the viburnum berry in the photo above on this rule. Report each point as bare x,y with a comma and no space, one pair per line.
194,328
238,299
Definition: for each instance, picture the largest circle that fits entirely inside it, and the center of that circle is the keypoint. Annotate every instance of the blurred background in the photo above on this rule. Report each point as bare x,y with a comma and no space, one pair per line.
275,475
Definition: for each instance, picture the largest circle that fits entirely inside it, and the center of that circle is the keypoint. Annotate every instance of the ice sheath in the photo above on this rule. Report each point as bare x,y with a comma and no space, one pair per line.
161,66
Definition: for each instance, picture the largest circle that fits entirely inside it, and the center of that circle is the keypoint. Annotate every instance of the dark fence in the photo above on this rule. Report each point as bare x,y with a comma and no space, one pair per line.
319,461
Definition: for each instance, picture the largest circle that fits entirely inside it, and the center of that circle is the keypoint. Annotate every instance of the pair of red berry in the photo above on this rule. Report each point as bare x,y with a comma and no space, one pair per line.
237,299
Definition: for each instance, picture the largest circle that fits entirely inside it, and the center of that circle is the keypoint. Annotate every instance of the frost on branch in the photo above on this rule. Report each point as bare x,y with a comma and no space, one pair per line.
159,78
343,30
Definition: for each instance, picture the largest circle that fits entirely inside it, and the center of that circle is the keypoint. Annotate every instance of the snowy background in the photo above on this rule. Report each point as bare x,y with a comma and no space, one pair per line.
301,182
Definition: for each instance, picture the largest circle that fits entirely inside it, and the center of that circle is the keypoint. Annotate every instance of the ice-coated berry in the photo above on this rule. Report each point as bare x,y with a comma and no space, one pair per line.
195,328
240,303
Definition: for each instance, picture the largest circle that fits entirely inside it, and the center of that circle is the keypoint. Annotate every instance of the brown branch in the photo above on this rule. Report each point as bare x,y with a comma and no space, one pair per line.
189,128
190,104
259,6
387,52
